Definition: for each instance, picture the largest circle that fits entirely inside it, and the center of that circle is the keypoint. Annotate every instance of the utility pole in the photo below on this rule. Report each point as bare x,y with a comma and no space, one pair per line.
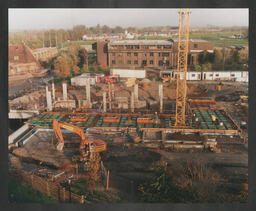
61,40
43,39
50,39
56,43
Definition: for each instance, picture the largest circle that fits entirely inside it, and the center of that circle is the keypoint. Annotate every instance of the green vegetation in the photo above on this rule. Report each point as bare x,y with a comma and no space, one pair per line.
192,182
153,38
82,188
219,39
19,193
79,42
224,59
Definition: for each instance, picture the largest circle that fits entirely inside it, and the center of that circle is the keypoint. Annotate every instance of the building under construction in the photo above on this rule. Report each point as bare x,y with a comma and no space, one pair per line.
114,130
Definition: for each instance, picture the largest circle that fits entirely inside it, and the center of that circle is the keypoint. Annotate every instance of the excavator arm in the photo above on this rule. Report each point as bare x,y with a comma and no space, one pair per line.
99,144
57,131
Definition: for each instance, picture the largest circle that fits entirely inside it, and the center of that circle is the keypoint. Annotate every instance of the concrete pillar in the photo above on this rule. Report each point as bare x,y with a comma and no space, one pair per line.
64,90
48,99
132,102
136,92
163,136
53,92
88,92
104,101
161,97
113,91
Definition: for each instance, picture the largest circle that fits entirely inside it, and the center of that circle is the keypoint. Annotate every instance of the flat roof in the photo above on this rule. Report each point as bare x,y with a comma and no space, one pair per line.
43,49
192,40
141,42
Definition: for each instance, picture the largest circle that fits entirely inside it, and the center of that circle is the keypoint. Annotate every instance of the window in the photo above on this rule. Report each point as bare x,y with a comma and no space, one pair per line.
165,54
167,63
159,46
129,62
195,45
16,58
113,54
193,75
160,63
113,62
151,62
232,75
136,62
144,62
217,75
151,54
137,47
211,74
159,54
167,46
128,54
135,54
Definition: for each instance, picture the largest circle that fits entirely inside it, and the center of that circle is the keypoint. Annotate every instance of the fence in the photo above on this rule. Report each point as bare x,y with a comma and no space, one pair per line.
52,189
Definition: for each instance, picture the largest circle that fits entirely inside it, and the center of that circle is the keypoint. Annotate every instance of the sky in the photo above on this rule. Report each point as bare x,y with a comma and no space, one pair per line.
27,19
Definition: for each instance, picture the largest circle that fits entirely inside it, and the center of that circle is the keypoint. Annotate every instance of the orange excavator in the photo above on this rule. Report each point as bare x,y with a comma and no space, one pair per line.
87,147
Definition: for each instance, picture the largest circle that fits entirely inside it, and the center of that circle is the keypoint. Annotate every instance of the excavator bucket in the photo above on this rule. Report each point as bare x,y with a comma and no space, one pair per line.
60,146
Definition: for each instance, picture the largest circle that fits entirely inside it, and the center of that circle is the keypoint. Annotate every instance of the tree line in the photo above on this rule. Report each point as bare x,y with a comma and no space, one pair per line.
223,59
56,37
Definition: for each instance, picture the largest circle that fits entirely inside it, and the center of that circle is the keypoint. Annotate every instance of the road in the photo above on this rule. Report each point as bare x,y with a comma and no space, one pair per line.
33,83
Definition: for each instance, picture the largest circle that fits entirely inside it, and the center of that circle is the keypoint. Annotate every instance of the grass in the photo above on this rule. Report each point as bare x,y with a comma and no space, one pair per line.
216,37
80,42
19,193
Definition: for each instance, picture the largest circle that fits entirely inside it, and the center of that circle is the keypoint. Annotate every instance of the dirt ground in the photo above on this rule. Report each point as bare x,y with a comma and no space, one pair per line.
131,164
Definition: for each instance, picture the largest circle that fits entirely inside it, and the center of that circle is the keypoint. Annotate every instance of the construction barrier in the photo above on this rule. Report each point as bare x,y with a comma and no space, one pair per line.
52,189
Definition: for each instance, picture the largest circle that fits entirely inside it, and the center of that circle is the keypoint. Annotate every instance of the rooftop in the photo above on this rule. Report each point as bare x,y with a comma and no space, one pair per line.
43,49
191,40
22,53
141,42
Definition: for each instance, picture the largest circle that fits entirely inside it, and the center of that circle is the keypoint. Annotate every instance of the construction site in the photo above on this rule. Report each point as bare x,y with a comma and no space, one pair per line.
99,142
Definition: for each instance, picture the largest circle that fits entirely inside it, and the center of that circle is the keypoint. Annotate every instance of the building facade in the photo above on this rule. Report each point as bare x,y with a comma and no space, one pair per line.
195,47
160,54
22,60
45,54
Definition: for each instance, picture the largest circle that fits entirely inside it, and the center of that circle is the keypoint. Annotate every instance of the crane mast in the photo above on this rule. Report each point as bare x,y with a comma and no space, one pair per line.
181,80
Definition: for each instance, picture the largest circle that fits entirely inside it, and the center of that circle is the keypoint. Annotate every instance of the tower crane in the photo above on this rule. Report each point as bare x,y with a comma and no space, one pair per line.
181,80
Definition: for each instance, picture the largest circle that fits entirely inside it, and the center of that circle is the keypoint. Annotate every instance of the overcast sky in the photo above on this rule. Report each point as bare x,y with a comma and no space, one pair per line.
20,19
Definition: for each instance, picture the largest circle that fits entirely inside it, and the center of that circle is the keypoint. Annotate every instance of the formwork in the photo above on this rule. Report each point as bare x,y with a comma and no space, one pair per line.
146,122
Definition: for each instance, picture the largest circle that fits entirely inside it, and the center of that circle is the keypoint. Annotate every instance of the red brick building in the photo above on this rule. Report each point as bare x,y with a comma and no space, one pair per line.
146,53
195,47
22,60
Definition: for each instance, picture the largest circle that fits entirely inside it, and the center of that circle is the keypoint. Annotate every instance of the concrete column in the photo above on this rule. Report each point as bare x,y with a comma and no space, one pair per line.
48,99
64,90
136,92
132,102
104,101
163,136
161,97
113,91
53,92
88,92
